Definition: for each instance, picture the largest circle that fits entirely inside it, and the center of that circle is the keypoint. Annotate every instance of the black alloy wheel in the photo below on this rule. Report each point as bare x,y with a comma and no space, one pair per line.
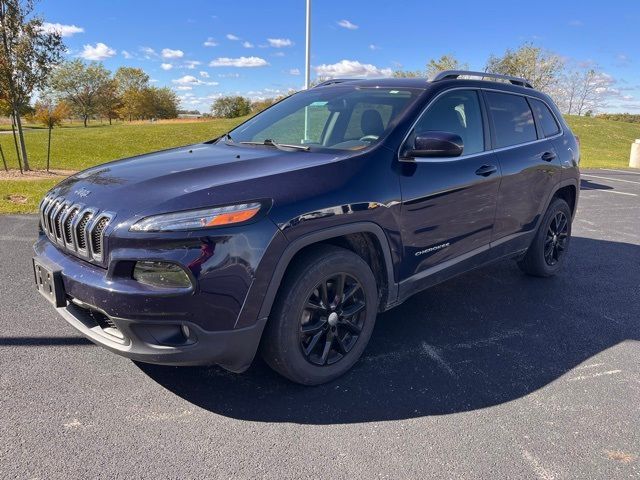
332,319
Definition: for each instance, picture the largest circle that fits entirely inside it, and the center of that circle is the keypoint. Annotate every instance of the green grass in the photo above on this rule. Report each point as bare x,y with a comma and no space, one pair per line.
32,190
605,143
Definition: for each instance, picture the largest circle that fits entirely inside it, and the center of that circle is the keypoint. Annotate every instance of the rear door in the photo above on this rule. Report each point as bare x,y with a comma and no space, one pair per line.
448,204
529,163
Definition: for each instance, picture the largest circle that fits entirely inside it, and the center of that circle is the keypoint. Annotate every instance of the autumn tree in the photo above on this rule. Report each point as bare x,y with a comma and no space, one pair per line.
131,83
109,100
231,107
51,114
541,68
27,55
445,62
82,85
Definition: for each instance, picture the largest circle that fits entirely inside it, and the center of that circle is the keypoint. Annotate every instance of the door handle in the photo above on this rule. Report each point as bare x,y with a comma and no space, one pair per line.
486,170
548,156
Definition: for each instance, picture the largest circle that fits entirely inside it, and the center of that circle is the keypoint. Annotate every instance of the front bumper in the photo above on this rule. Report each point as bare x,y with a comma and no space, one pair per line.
149,341
216,322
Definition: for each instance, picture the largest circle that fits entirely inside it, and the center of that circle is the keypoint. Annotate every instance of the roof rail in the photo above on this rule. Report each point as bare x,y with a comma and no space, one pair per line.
333,81
451,74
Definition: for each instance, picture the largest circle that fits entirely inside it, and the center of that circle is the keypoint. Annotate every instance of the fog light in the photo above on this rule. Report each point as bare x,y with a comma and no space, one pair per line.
161,274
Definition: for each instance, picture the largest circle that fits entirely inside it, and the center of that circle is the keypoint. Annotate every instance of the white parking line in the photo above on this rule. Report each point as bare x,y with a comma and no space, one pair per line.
620,171
610,191
609,178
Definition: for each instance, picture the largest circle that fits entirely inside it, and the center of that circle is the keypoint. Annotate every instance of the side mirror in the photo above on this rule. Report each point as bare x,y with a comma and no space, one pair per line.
435,144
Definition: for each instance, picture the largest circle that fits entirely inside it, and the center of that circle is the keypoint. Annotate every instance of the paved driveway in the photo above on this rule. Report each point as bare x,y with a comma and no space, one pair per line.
490,375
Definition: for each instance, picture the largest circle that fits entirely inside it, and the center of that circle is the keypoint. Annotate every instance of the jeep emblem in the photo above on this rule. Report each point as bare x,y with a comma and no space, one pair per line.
83,192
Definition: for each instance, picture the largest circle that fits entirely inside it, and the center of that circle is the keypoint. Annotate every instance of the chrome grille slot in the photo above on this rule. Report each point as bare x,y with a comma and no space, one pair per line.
81,230
67,227
75,228
97,235
57,221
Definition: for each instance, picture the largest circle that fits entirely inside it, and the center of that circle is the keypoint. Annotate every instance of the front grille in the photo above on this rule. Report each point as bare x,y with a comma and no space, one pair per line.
75,228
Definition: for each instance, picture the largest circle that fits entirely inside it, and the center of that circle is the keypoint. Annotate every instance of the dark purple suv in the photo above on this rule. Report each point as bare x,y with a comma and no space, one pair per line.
292,232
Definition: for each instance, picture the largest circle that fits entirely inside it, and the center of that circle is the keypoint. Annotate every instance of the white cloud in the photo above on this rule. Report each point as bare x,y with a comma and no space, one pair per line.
347,24
278,54
247,45
190,80
169,53
210,42
231,36
186,80
191,64
238,62
99,52
576,23
183,88
374,47
294,71
279,42
352,68
63,30
166,66
126,54
149,52
204,74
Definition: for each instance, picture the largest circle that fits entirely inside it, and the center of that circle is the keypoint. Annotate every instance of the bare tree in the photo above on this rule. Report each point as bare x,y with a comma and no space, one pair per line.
27,55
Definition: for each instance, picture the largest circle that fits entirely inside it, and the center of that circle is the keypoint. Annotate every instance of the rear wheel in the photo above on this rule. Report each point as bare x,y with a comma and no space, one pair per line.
323,317
549,248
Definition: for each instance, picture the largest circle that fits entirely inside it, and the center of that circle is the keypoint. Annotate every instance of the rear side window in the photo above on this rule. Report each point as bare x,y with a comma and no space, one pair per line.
512,119
545,118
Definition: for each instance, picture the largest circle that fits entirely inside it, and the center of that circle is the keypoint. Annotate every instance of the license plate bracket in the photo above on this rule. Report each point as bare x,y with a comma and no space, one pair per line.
49,283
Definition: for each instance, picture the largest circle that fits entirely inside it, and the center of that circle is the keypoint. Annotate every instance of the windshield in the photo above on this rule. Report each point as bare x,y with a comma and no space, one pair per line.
338,118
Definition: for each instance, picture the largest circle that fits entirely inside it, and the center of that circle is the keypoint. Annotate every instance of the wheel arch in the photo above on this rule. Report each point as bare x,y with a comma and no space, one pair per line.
354,237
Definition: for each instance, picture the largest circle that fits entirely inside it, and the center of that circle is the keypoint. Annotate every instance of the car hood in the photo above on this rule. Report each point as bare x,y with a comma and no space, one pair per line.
182,178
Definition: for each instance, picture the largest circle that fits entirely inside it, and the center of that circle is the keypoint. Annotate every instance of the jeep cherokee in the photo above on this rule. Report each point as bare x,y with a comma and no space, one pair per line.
289,234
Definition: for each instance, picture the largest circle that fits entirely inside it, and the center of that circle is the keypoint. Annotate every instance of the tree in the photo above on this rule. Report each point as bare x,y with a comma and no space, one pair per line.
541,68
445,62
592,88
159,103
81,85
132,82
231,107
408,74
50,114
109,101
27,55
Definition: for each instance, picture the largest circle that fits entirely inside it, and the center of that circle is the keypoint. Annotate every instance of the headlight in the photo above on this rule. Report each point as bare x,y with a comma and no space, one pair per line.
195,219
161,274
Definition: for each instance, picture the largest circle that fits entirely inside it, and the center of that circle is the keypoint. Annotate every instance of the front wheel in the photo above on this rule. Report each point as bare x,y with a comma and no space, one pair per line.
323,317
549,248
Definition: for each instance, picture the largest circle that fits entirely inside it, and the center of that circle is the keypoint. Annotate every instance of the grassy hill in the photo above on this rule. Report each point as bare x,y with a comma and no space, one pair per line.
605,143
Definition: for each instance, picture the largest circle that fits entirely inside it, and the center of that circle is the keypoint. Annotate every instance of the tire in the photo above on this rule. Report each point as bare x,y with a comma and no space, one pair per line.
537,261
302,313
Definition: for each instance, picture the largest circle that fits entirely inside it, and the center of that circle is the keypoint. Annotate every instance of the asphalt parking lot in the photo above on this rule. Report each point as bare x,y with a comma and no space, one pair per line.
491,375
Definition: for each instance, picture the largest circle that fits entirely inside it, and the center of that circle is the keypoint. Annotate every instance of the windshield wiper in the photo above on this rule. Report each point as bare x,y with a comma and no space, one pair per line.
280,146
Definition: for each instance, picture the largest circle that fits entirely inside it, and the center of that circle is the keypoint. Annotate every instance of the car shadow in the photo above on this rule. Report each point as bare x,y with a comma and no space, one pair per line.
590,185
479,340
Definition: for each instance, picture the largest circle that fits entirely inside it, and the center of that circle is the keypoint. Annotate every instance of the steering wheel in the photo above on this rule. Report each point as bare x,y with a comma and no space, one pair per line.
369,138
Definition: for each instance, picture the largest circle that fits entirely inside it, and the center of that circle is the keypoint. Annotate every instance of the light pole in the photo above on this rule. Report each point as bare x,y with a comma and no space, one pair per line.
307,69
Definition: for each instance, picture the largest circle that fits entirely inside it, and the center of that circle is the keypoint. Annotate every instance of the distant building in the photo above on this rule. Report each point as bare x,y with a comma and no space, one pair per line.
189,115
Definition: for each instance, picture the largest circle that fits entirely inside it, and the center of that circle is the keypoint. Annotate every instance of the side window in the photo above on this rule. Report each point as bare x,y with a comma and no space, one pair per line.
368,119
545,118
512,119
456,112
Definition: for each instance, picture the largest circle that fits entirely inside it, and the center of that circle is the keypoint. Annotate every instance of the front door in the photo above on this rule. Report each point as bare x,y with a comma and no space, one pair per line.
448,204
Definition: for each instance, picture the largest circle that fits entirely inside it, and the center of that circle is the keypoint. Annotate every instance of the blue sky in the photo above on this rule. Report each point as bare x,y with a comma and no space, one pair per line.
256,48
